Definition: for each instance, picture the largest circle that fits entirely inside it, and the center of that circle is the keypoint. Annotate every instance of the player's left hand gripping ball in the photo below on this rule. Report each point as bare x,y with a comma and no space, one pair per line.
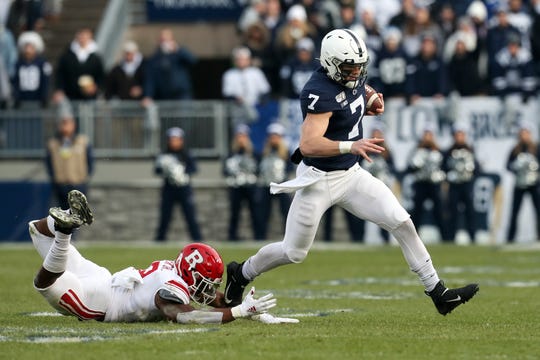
374,101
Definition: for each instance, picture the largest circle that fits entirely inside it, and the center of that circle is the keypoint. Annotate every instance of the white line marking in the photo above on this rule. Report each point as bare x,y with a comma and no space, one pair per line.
44,314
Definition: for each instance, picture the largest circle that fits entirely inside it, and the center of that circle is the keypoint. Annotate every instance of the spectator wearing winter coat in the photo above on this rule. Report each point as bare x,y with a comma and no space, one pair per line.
513,71
389,75
125,81
32,72
463,71
499,29
427,73
167,75
80,72
246,86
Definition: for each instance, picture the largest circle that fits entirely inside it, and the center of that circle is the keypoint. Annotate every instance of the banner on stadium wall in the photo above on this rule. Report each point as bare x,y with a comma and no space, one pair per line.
27,201
492,129
193,10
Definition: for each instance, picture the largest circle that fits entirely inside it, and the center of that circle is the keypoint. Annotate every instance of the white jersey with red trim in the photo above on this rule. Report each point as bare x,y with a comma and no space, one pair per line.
134,291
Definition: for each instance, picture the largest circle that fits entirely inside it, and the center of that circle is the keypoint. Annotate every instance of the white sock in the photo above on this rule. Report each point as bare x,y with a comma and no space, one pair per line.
416,254
50,224
267,258
56,258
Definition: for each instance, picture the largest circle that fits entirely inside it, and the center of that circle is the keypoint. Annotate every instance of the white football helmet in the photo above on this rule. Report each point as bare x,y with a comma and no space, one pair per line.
343,47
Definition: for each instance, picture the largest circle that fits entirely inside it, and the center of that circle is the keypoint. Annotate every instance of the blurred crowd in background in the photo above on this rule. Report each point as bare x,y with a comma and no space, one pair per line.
418,48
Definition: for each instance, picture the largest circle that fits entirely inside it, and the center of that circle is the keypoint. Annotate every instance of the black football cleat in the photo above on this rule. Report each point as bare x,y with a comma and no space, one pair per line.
78,205
79,213
446,300
65,221
236,283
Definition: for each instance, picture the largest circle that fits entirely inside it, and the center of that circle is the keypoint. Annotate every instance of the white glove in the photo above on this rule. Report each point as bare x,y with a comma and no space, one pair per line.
251,306
271,319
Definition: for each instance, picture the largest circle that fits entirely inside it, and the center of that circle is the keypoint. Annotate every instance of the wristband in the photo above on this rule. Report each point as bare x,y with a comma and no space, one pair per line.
345,146
236,312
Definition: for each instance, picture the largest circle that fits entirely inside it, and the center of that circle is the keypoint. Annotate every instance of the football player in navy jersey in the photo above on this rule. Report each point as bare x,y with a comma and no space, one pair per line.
331,143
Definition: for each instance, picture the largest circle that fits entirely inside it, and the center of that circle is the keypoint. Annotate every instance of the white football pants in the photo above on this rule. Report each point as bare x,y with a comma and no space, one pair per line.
83,290
358,192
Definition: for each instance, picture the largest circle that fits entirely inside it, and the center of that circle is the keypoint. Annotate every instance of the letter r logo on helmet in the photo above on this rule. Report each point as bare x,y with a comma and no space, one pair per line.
194,258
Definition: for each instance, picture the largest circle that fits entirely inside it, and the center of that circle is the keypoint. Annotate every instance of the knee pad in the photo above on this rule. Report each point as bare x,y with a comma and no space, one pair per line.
404,230
296,255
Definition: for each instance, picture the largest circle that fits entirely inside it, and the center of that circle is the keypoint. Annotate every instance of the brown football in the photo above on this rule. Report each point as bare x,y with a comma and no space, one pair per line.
373,101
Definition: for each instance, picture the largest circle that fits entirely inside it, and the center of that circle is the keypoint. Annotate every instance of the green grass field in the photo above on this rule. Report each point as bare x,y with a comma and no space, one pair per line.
353,303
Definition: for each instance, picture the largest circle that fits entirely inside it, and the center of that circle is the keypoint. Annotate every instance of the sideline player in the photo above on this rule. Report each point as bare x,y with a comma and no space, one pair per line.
331,143
76,286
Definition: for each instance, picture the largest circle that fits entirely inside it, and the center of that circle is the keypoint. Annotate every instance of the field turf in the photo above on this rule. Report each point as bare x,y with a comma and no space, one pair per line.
353,302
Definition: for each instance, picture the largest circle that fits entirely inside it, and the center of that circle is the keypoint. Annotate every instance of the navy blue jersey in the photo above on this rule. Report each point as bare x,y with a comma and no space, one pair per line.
321,95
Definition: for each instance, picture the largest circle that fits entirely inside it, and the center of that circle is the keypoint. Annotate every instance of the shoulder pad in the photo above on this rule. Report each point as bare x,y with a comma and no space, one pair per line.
169,296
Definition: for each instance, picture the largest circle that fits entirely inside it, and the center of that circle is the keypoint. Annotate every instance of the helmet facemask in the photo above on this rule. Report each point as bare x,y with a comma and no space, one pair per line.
203,290
351,75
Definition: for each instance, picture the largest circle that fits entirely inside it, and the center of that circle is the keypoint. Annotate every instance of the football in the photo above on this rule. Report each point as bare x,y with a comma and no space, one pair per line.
373,101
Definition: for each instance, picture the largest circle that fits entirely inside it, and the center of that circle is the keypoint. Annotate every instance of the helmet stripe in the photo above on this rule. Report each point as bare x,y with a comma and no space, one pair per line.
355,40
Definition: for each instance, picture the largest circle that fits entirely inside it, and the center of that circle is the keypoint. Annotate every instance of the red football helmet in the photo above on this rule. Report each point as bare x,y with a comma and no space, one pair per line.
201,267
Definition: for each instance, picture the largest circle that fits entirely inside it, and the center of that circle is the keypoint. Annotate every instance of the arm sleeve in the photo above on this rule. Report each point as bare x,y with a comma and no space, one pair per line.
191,164
200,317
99,75
158,169
510,160
185,56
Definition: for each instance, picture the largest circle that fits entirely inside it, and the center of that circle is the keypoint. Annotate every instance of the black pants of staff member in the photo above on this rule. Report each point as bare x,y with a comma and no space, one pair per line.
461,196
354,225
265,201
516,205
237,196
61,191
183,195
423,191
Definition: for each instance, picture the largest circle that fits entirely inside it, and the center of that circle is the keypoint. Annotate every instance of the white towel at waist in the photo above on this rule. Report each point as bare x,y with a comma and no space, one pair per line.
307,177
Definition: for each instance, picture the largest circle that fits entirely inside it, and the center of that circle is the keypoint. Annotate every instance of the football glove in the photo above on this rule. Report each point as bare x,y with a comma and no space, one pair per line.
267,318
251,306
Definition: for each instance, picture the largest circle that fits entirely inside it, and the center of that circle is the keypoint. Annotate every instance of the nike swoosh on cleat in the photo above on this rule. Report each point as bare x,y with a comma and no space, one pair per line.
227,300
458,298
